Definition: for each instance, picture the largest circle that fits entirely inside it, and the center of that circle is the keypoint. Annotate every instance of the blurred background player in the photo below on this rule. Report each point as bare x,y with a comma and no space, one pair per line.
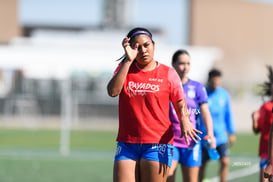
145,87
262,121
189,156
223,125
268,173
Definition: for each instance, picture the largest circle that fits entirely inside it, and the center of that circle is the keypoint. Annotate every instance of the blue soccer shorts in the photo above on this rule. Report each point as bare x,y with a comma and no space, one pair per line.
222,149
162,153
263,163
190,157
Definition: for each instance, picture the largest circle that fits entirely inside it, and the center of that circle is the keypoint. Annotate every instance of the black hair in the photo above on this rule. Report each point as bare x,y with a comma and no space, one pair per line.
178,53
214,73
133,33
267,85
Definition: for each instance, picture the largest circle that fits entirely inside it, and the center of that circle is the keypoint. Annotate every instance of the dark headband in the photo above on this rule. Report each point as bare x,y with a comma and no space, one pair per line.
140,32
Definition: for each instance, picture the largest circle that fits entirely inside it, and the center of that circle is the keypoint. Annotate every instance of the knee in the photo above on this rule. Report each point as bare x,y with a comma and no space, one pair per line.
171,172
171,176
225,161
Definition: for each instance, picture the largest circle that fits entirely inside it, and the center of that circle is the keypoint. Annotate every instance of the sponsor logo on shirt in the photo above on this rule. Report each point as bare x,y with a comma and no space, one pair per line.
141,88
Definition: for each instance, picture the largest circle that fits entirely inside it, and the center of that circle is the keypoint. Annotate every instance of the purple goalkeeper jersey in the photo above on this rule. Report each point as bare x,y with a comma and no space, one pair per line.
195,94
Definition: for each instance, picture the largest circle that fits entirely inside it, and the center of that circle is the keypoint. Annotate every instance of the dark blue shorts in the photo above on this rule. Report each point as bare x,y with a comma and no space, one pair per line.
222,149
162,153
190,157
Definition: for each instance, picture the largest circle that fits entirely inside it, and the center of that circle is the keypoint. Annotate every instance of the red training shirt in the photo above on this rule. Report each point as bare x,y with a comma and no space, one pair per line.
264,124
144,105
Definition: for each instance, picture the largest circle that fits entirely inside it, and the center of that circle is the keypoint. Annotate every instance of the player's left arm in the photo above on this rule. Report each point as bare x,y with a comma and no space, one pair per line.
229,122
187,128
202,99
207,119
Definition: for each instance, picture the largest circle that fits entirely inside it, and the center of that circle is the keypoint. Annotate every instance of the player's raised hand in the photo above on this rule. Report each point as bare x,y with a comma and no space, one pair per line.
131,52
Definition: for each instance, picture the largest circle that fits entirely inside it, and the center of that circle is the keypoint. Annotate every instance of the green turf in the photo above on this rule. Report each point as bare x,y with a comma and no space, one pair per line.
246,143
33,155
54,170
80,139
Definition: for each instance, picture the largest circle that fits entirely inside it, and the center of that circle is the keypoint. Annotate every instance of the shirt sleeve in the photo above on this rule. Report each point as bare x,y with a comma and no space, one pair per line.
202,96
116,70
229,117
176,90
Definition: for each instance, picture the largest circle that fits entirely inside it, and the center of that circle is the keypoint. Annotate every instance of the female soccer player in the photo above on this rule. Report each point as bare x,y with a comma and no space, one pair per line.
268,173
262,121
189,156
145,88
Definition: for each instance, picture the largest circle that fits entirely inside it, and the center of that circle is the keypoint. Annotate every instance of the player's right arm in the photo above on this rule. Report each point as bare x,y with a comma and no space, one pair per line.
254,117
258,118
115,85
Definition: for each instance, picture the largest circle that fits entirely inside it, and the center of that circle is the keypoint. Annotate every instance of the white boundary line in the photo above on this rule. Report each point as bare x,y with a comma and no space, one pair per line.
239,173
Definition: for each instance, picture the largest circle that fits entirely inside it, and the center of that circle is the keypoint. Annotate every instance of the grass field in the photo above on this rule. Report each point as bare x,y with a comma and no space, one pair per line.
33,156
